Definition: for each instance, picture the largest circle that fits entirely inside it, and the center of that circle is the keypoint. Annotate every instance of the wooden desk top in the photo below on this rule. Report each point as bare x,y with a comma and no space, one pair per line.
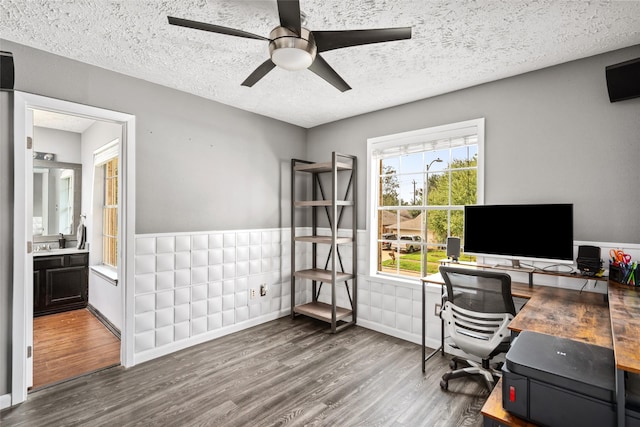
624,308
566,313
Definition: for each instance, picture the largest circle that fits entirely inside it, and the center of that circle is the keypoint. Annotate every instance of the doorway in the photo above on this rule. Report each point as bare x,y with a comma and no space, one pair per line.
25,242
77,307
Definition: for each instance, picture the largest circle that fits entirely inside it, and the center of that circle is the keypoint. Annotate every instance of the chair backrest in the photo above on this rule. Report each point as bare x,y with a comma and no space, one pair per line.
483,291
478,309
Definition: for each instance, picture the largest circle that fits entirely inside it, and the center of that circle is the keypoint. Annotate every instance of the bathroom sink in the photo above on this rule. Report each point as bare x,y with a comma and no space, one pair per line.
45,252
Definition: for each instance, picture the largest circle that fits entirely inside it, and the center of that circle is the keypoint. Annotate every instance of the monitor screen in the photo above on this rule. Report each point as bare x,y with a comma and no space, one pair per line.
530,231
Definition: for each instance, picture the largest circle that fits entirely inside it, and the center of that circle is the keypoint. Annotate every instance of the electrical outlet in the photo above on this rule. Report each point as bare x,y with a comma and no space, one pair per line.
263,289
252,293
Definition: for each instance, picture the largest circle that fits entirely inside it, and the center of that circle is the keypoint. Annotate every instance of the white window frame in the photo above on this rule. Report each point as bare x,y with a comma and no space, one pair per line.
376,144
101,156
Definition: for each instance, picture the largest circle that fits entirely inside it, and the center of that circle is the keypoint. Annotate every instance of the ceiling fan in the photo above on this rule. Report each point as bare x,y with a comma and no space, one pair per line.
294,47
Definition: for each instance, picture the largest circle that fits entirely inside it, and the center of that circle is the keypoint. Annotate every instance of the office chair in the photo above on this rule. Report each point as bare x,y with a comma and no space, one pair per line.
477,310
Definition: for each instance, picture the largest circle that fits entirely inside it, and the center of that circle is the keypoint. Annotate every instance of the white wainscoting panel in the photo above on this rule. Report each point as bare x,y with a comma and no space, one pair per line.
194,287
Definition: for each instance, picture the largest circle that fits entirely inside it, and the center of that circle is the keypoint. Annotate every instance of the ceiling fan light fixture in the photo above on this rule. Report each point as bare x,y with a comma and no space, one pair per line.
291,58
290,51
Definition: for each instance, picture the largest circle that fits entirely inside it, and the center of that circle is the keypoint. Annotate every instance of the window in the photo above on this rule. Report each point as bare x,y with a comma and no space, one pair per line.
110,213
420,183
105,204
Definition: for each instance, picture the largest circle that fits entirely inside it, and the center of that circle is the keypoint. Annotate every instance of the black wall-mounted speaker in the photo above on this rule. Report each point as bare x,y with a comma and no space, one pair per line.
6,71
453,248
623,80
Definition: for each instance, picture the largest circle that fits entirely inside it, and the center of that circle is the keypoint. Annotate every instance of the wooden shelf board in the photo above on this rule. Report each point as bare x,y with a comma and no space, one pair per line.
321,311
322,167
322,275
323,239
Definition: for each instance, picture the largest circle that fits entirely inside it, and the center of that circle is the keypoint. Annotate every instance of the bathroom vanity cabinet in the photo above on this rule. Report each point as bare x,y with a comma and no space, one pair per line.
60,282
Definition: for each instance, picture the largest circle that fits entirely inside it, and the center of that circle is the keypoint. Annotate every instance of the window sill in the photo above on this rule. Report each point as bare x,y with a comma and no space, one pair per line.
106,272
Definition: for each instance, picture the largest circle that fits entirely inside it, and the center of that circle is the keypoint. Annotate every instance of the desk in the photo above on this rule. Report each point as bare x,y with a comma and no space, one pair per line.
624,310
517,290
581,316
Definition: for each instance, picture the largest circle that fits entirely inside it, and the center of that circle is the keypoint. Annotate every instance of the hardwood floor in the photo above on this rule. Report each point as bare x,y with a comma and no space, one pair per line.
281,373
69,344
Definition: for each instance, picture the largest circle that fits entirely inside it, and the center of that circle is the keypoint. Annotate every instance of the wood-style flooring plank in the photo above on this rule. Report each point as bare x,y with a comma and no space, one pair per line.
282,373
69,344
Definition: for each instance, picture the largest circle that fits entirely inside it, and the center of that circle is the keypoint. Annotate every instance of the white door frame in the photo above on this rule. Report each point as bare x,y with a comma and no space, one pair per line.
22,305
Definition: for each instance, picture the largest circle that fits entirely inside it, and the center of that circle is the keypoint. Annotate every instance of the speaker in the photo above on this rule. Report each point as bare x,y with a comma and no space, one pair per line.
589,262
453,248
623,80
6,70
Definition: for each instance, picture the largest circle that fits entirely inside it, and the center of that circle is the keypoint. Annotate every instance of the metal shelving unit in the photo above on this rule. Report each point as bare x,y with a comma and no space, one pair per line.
341,170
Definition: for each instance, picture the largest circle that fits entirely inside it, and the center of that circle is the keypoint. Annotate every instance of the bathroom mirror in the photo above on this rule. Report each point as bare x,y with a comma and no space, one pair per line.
57,190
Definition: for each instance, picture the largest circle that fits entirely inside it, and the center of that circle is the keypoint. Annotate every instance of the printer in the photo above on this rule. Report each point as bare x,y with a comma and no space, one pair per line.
553,381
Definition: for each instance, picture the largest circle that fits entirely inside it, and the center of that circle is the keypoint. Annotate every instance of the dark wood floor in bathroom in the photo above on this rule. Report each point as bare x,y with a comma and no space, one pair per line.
69,344
282,373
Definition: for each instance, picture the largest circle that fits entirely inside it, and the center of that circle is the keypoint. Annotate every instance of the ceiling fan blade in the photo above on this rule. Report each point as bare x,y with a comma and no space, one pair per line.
324,70
213,28
259,73
289,11
329,40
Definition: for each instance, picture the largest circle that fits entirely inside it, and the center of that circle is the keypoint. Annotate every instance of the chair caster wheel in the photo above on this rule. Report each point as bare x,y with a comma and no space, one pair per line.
444,384
453,364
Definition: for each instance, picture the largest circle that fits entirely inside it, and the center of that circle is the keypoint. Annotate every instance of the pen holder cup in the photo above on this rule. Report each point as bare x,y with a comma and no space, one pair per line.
624,273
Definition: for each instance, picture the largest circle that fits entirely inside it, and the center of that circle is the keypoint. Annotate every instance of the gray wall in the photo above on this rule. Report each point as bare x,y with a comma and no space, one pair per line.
65,145
103,295
200,165
550,136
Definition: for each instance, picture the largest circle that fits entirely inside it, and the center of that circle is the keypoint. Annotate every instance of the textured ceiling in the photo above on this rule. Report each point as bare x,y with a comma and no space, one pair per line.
455,44
66,122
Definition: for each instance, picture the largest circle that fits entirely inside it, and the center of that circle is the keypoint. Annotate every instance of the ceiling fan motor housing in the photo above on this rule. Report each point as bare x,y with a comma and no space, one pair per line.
291,51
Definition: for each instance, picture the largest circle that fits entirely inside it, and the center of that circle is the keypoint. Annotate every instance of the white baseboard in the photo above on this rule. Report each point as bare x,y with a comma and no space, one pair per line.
416,339
5,401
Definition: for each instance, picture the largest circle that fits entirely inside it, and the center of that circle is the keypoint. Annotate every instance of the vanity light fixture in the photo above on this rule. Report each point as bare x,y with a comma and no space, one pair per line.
37,155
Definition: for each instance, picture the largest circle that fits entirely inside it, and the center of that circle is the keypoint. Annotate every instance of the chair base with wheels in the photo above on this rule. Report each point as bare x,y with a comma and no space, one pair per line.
490,374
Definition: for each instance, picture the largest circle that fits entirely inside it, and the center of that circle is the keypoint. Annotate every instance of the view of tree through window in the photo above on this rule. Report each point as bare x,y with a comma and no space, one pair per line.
422,191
